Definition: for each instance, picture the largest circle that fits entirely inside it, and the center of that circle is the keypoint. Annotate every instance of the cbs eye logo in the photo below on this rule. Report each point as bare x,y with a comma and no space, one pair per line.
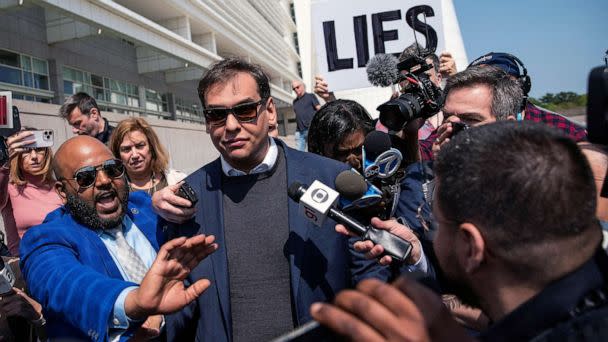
319,195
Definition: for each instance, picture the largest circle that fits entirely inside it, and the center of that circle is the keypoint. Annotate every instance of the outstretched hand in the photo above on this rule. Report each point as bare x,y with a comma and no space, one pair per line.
162,290
376,311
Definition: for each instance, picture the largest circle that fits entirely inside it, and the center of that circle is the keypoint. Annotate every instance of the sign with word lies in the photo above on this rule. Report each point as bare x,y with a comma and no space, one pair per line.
348,33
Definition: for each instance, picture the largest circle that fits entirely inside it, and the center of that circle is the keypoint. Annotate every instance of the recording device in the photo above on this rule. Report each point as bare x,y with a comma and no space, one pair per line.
43,138
382,168
597,110
359,198
420,99
317,203
186,191
7,131
458,127
7,278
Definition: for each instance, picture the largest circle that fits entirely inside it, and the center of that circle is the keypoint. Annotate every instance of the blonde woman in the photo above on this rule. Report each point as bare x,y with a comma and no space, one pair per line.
27,192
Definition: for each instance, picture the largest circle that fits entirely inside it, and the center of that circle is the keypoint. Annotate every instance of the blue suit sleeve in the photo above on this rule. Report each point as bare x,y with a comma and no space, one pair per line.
64,286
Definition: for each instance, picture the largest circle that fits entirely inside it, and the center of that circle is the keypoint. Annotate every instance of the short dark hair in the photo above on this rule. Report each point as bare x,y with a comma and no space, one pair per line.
82,100
507,95
226,69
525,185
335,121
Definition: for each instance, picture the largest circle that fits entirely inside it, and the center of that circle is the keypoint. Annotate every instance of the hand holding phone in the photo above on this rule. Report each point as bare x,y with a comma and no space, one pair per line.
186,191
42,138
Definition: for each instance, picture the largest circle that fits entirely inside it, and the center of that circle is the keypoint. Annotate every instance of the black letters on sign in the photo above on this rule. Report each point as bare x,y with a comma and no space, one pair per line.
381,36
333,62
412,19
360,27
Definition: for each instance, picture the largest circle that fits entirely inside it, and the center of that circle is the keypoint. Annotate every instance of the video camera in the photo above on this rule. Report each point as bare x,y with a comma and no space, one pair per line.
420,98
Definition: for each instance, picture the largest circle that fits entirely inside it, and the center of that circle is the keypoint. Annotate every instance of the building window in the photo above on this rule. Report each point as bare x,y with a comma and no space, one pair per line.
103,89
296,43
24,70
157,102
292,11
188,110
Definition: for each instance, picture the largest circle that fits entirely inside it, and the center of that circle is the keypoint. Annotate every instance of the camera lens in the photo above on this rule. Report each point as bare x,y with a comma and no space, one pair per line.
395,114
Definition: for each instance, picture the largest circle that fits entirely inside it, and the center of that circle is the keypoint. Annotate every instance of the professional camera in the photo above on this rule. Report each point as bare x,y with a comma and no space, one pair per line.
420,99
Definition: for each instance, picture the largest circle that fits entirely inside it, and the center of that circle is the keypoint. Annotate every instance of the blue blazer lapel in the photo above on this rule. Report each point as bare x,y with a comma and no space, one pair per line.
145,224
213,218
297,225
98,249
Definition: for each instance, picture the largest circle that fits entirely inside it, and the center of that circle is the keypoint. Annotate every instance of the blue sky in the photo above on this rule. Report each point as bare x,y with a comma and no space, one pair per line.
558,41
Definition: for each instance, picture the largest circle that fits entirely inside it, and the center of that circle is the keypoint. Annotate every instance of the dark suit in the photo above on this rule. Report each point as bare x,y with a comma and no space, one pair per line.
70,272
321,261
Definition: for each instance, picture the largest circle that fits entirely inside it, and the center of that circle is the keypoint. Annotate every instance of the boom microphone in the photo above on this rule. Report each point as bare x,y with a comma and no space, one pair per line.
317,206
382,70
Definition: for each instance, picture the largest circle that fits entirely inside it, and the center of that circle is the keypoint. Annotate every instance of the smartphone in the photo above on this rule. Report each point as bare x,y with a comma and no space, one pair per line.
186,191
458,127
43,138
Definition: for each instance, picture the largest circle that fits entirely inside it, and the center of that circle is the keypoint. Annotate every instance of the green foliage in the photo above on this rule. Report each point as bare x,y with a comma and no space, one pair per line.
560,101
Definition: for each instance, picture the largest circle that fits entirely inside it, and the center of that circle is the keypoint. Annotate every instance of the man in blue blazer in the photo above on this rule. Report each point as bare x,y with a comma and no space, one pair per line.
272,263
74,262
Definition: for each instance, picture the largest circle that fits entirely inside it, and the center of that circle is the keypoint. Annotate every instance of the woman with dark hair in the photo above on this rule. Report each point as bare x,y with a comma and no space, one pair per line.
338,130
146,160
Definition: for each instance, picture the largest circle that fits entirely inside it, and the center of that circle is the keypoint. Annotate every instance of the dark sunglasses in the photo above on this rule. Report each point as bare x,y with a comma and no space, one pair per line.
244,113
85,176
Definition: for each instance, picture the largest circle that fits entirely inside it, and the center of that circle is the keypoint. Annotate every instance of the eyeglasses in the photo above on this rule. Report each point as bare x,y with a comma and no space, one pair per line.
244,113
85,177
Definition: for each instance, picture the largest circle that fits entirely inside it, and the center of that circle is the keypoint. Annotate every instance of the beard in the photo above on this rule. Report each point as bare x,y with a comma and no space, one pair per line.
86,214
453,281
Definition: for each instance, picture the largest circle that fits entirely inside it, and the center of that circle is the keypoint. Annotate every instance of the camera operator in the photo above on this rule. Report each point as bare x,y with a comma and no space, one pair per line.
477,96
534,266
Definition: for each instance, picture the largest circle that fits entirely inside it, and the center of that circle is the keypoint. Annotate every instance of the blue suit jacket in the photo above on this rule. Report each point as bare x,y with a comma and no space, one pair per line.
70,272
322,262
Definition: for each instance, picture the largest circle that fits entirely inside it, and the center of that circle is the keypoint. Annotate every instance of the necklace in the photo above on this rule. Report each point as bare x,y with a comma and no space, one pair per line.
151,190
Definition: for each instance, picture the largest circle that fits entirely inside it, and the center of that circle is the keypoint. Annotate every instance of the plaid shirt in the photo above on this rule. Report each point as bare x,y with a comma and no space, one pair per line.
537,114
533,113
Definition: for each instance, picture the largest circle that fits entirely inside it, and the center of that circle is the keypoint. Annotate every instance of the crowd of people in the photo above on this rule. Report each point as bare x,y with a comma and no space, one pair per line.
498,198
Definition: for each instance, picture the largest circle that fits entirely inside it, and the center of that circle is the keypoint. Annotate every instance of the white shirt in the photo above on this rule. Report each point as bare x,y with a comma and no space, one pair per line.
265,165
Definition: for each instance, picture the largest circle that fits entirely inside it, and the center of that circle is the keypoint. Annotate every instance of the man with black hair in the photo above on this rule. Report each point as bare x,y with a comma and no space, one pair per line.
83,114
274,262
535,267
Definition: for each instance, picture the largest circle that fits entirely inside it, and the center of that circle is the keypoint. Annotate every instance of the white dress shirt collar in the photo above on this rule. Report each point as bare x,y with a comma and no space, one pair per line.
265,165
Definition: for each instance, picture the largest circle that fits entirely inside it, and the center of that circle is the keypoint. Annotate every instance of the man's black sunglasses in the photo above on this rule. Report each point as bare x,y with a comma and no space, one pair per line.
244,113
85,176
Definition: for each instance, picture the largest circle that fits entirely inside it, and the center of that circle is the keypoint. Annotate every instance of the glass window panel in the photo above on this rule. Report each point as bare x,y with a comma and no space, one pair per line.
40,66
68,87
67,74
151,106
165,107
97,81
26,63
133,101
10,75
9,58
98,93
27,79
118,98
41,81
150,94
78,76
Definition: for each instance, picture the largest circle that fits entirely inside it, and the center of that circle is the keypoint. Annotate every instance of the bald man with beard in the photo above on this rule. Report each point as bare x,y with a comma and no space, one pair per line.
95,264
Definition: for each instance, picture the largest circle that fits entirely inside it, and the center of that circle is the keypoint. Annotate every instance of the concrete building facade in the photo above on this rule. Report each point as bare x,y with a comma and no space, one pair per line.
141,58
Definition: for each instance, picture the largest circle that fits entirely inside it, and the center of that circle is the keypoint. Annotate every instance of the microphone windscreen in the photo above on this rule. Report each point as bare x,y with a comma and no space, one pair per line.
294,191
350,185
382,70
375,143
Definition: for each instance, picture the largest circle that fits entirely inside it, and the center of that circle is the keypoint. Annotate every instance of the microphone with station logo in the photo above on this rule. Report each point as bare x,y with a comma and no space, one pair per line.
317,203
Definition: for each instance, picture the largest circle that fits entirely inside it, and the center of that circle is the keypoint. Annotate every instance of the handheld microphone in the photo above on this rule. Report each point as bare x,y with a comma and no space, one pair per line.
382,70
7,278
380,159
355,192
393,245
